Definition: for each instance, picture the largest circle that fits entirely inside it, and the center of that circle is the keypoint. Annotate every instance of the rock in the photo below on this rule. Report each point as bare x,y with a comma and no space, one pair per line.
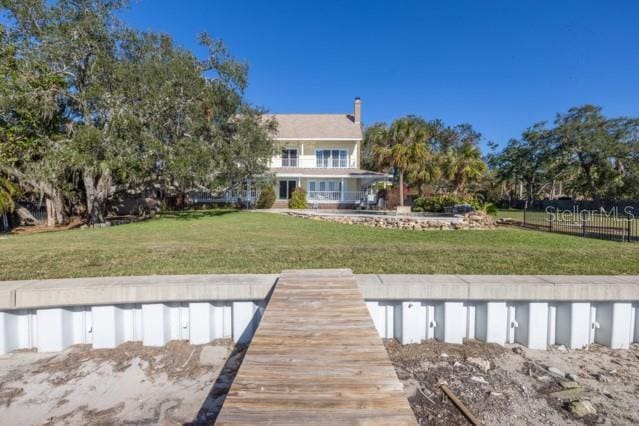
493,393
572,394
572,377
561,348
443,355
582,408
556,372
601,378
518,350
480,363
568,384
479,379
213,356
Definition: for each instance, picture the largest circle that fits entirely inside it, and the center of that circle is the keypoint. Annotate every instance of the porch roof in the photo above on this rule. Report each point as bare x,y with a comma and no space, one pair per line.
327,172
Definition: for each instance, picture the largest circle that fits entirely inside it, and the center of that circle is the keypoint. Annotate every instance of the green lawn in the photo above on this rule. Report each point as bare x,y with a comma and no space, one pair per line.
512,214
234,242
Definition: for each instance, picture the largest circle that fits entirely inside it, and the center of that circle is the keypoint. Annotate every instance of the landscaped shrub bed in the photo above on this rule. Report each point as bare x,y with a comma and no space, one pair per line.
438,203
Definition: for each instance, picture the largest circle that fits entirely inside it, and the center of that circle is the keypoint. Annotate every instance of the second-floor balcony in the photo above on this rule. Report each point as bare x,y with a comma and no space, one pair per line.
311,163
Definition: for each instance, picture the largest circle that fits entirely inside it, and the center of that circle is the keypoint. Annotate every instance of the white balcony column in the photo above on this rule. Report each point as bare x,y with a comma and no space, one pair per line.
342,189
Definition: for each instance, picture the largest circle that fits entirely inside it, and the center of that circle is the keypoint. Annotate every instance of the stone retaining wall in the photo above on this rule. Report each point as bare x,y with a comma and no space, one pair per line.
473,220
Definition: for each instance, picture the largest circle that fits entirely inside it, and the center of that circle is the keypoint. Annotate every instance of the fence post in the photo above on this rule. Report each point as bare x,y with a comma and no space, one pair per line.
549,216
524,216
629,219
583,224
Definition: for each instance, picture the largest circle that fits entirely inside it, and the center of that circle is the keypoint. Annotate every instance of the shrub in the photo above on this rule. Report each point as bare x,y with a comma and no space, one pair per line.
267,198
489,208
298,199
438,203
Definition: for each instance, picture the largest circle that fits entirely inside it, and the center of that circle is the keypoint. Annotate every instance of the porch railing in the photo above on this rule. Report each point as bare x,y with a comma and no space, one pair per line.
203,197
336,195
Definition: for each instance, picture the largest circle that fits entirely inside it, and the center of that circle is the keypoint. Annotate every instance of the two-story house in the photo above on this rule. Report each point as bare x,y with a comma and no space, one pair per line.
321,153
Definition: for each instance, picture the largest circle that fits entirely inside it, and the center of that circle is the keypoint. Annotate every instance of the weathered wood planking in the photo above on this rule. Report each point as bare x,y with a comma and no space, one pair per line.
316,358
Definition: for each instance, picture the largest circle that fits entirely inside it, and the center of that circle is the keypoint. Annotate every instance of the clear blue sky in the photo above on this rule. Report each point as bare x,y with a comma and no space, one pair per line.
498,65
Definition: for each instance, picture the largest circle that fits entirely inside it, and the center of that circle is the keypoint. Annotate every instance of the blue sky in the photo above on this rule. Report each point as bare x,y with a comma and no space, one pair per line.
498,65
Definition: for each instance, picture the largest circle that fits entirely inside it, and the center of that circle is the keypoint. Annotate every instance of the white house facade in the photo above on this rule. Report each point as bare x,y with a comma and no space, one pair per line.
322,154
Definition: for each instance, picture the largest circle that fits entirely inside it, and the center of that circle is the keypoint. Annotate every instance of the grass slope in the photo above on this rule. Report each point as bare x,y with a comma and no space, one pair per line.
222,241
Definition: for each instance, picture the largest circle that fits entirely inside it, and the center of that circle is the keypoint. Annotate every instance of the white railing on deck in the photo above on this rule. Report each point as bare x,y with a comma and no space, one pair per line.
336,195
226,197
204,197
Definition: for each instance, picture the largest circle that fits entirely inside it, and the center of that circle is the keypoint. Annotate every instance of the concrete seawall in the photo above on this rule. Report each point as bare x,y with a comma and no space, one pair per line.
535,311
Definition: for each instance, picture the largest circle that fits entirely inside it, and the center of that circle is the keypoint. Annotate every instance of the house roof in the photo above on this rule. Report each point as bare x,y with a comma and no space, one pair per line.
317,127
326,172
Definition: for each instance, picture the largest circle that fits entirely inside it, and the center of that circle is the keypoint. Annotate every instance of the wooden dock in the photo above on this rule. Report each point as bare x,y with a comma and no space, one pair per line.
316,358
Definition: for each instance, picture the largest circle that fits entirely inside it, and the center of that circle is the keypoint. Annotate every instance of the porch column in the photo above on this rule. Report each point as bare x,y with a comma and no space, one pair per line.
341,192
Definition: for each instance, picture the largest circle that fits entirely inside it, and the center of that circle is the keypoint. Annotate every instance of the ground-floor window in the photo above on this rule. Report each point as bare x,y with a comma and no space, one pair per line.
286,189
324,185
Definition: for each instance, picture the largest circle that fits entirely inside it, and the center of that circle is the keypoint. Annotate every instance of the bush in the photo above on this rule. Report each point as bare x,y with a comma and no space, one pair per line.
489,208
267,198
438,203
298,199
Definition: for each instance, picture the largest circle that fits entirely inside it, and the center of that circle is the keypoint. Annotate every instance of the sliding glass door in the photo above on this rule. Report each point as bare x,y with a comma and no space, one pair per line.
286,189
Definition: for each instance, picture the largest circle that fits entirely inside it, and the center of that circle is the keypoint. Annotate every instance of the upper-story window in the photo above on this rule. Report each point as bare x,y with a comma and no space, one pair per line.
331,158
289,157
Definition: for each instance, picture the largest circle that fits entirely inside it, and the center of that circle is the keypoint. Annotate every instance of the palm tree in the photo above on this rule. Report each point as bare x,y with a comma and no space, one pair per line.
463,165
403,147
8,191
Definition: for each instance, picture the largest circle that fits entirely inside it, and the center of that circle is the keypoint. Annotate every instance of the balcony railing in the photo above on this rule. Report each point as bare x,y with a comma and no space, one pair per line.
314,163
290,162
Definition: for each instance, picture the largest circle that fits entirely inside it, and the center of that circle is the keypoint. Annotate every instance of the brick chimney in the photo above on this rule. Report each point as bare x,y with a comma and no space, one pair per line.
357,113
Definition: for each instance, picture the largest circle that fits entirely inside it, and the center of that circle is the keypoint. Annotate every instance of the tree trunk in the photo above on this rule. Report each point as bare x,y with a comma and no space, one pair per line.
401,188
591,184
97,194
56,210
50,213
61,216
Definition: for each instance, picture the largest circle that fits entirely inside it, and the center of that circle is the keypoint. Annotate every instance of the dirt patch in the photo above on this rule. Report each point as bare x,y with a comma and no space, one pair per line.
129,384
74,223
182,362
514,385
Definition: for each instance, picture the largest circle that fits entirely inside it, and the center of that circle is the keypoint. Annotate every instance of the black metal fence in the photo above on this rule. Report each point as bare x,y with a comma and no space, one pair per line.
8,221
607,225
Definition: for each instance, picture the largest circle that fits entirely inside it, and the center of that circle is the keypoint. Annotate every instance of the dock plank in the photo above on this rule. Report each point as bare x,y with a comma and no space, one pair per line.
316,358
